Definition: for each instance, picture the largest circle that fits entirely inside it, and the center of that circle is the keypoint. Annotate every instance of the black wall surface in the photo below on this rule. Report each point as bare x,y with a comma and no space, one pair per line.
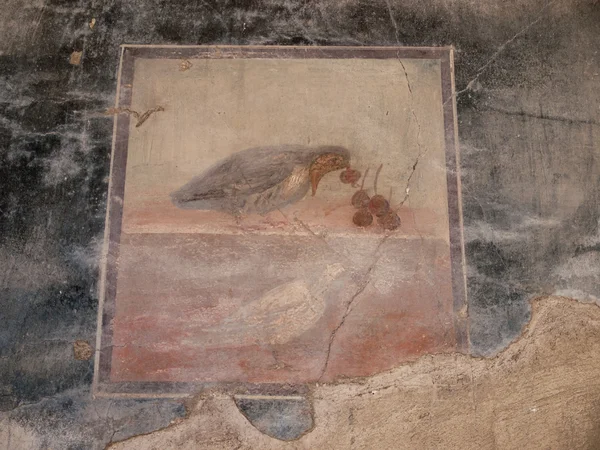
527,76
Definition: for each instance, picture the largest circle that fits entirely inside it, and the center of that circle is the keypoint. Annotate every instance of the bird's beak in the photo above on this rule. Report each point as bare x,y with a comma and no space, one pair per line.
315,177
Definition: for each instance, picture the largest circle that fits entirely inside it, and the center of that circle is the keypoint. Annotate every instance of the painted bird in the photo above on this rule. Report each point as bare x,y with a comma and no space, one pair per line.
261,179
278,316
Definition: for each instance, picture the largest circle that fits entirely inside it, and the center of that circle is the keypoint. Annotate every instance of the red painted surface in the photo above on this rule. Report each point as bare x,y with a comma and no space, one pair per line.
172,288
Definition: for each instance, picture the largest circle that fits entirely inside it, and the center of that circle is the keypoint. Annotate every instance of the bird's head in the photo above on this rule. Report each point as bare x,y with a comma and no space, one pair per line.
328,158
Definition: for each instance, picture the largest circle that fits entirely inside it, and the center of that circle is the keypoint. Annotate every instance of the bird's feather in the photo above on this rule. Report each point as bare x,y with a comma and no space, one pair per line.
245,173
258,180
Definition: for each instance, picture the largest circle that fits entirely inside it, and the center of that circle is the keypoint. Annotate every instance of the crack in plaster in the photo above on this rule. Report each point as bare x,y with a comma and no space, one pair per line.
393,20
540,116
414,167
421,152
500,49
412,110
362,286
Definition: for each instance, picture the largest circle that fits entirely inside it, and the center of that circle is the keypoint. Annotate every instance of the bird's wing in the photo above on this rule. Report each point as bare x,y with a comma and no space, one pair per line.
248,172
281,314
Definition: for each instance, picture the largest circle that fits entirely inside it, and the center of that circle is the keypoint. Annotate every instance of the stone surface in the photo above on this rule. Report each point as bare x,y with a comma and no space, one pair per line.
527,77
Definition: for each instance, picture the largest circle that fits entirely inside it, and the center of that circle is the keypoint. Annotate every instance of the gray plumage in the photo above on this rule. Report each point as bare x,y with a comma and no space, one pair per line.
260,179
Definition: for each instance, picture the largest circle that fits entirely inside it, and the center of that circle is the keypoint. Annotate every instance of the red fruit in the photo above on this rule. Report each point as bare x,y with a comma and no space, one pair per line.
362,218
360,199
349,176
389,221
379,206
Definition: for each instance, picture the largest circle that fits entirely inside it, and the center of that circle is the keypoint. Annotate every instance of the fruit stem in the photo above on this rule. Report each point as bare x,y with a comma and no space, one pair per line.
362,185
376,177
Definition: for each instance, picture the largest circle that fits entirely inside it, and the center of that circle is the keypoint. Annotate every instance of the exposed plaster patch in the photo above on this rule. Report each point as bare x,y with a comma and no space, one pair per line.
184,65
449,401
75,58
82,350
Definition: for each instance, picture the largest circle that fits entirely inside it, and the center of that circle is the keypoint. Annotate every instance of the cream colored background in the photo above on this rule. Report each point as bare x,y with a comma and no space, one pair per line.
221,106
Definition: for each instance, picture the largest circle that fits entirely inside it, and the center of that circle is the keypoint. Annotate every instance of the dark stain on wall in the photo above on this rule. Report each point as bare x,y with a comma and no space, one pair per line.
528,124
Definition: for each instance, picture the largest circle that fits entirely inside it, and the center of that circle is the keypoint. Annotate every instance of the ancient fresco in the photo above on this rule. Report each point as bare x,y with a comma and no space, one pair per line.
279,216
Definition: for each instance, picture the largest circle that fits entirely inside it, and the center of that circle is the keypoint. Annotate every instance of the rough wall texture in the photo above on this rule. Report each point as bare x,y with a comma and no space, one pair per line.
526,74
542,393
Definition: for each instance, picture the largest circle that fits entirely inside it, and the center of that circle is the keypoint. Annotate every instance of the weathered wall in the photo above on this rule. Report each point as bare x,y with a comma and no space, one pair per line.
542,393
527,74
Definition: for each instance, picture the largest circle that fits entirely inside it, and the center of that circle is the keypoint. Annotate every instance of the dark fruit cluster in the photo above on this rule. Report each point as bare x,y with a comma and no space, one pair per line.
377,206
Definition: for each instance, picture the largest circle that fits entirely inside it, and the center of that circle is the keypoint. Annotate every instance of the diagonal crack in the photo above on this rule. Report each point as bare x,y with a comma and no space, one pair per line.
501,48
407,188
361,288
393,20
544,116
366,279
421,152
